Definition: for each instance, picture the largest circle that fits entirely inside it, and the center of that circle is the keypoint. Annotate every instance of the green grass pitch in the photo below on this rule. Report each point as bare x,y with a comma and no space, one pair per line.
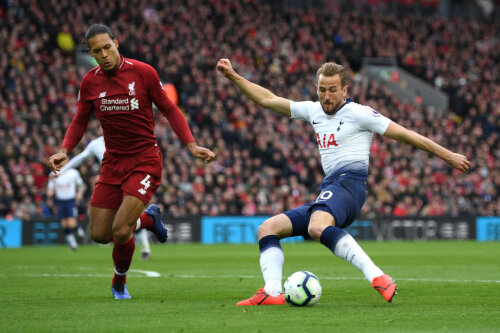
443,287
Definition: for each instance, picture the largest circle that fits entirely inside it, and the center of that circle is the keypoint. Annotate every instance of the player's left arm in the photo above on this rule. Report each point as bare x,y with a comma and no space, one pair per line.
402,134
175,117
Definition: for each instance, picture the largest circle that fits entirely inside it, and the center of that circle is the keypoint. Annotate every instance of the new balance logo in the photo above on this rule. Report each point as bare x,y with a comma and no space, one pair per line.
134,104
103,94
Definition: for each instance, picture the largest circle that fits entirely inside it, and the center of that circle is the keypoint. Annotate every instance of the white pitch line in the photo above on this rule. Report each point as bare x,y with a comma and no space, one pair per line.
141,272
189,276
147,273
186,276
69,275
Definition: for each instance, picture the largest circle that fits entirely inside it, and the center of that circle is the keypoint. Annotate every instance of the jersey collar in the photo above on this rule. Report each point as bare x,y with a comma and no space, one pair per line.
118,68
347,101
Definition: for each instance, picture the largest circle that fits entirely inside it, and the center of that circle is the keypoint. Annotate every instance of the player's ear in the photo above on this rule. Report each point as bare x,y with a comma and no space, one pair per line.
115,41
344,90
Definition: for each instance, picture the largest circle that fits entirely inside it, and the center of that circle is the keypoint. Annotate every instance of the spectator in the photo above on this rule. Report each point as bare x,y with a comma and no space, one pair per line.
39,88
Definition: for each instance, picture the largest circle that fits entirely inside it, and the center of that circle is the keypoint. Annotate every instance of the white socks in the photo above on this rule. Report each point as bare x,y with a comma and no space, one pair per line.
272,259
348,249
142,237
271,265
70,239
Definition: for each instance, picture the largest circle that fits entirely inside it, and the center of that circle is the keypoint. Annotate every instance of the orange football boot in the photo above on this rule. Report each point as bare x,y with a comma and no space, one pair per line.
263,298
385,286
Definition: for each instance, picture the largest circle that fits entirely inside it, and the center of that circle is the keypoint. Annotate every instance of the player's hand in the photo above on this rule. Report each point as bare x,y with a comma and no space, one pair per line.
459,162
224,66
200,152
58,160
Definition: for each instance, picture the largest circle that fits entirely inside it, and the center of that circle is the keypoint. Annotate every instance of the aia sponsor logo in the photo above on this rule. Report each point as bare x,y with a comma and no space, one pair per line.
326,141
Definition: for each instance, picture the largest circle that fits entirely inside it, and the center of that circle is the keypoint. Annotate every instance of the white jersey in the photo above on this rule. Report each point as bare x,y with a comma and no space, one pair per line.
65,184
95,148
344,139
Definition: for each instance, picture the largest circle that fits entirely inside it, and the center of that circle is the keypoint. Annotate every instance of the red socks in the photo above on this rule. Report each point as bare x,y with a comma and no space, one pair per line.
146,221
122,257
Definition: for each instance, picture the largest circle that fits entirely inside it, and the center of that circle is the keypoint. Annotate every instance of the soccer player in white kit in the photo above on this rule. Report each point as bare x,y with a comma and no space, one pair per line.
67,189
344,132
96,148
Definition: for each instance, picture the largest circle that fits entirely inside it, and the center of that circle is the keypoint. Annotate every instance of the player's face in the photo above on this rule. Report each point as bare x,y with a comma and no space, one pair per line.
331,94
105,51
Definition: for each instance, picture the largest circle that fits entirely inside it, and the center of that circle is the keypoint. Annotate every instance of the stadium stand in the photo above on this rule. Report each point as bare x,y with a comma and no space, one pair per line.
265,164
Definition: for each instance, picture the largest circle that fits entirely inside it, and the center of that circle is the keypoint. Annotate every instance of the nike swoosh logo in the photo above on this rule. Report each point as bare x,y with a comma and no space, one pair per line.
319,122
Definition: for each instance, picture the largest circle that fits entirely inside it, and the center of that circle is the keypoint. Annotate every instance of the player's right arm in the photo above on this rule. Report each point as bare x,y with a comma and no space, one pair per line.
256,93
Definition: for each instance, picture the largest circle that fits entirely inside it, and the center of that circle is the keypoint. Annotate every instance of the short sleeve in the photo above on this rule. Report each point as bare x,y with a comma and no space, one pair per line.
371,120
299,110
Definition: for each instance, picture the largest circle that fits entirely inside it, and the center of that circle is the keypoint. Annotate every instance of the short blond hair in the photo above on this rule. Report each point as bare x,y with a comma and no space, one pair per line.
332,69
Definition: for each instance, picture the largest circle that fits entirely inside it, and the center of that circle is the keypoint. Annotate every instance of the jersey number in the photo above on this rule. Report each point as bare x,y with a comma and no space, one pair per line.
324,195
146,183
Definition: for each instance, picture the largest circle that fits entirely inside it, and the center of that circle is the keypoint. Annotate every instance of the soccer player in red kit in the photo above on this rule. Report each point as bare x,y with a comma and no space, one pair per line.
121,93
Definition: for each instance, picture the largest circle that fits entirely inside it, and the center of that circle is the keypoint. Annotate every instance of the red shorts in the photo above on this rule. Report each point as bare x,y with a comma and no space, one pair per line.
137,176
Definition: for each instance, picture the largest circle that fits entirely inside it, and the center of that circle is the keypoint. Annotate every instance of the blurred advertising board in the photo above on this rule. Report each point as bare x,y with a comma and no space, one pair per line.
488,228
48,231
182,229
234,229
10,232
414,228
243,229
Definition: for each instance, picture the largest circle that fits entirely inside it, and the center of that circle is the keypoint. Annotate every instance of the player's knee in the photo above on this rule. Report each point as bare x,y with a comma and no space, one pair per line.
266,228
99,237
315,230
121,233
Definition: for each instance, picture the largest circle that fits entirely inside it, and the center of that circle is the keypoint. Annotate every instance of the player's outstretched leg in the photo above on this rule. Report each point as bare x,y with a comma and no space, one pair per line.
271,265
158,227
345,247
263,298
385,285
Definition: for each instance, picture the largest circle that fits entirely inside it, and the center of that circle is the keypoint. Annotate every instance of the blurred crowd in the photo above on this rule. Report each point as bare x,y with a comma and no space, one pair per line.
265,163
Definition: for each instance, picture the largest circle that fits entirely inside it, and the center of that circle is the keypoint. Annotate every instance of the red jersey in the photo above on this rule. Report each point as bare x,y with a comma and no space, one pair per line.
123,103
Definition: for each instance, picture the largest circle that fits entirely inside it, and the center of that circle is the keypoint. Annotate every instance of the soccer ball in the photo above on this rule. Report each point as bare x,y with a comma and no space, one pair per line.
302,288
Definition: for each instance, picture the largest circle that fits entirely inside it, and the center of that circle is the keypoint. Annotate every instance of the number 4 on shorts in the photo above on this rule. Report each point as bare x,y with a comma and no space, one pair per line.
146,183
